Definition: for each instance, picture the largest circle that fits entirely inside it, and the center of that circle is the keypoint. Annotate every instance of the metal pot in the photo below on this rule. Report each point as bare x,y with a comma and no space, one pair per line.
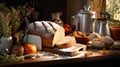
101,26
84,20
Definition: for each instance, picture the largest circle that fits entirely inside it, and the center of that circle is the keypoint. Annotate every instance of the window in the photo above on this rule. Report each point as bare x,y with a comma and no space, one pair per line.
110,6
97,5
113,7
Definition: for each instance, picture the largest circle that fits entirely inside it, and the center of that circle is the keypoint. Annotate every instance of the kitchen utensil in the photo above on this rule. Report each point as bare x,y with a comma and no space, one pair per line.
84,20
101,26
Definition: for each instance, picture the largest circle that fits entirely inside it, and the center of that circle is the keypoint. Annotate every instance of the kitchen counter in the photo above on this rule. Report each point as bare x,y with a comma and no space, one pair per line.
89,58
111,60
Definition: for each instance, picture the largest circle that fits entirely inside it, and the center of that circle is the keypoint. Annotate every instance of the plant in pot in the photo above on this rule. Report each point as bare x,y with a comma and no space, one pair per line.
5,28
10,19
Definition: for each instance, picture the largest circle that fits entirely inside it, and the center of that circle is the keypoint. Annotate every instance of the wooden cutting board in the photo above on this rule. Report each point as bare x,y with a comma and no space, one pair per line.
72,51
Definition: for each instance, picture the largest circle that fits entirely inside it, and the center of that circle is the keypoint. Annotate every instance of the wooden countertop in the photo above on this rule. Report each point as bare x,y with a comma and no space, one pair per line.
50,61
90,57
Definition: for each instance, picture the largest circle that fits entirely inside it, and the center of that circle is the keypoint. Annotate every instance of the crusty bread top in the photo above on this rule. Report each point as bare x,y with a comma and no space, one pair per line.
50,32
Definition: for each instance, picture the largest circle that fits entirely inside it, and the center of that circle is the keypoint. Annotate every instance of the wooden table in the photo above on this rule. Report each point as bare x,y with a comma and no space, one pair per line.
98,58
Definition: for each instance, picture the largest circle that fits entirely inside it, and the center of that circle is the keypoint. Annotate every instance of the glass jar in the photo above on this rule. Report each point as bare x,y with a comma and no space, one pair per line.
56,18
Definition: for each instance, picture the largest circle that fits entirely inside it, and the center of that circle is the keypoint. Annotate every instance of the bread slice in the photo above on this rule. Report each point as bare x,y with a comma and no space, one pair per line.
66,42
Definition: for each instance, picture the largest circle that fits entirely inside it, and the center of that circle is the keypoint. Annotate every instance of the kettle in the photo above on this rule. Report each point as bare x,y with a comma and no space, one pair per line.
83,20
101,25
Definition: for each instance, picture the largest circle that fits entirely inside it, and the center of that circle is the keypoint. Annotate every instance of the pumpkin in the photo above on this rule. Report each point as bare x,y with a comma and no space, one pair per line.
30,48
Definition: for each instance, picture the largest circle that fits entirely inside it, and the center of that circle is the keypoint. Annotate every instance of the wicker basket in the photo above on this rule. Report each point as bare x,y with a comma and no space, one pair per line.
82,40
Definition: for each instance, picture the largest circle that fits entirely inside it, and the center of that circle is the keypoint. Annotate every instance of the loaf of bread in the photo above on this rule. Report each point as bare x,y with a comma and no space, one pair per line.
116,45
50,32
66,42
98,44
107,40
94,36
